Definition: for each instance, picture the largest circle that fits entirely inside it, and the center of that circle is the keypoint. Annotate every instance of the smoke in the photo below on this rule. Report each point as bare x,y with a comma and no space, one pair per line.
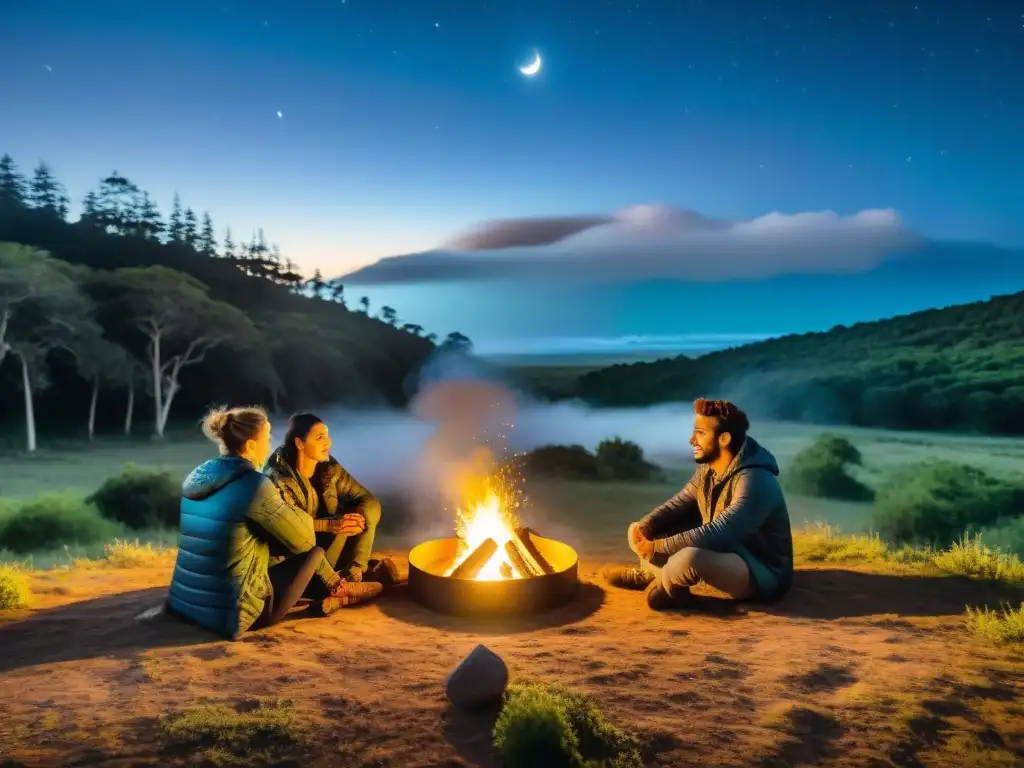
464,422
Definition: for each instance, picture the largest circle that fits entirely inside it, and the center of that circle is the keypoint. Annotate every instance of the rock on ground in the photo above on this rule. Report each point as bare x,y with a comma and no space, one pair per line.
479,679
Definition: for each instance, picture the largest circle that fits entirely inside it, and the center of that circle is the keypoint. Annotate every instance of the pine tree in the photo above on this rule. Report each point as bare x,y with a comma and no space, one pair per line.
189,235
46,193
316,284
148,224
175,228
229,245
115,204
90,210
12,184
207,243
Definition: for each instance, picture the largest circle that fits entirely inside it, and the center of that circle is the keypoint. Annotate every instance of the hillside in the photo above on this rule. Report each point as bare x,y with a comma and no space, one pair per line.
956,368
313,348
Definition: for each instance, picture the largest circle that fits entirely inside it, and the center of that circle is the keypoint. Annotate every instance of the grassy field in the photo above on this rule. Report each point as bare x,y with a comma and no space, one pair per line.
879,656
591,516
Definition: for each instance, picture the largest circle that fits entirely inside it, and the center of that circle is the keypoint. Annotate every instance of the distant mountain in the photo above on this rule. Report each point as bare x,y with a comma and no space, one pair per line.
958,368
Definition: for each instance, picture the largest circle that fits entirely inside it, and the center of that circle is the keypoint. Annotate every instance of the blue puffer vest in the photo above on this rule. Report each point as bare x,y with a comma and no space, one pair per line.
220,578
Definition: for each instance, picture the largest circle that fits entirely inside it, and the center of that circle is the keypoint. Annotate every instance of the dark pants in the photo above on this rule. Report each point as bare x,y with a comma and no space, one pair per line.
290,580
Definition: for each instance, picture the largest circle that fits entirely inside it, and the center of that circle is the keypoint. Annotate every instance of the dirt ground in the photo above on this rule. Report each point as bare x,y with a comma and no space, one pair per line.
851,669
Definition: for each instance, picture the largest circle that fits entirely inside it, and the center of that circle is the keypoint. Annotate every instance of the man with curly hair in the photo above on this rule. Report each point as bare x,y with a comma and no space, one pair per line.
728,527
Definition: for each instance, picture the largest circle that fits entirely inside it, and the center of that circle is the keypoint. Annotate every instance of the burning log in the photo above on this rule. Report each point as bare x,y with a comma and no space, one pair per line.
470,567
523,537
518,558
506,571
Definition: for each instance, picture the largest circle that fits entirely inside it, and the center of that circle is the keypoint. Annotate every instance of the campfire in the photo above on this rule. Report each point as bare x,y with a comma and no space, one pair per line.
494,564
493,545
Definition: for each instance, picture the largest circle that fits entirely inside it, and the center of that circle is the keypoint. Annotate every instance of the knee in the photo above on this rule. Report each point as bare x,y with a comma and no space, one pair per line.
316,552
684,566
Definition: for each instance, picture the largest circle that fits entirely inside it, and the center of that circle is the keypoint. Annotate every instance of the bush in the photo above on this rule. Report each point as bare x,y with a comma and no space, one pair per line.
625,460
557,728
568,462
1004,626
140,498
936,502
821,470
616,459
53,520
1007,534
14,591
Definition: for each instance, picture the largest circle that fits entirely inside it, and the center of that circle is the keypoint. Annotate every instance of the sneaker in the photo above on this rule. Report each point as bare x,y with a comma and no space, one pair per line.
660,600
350,595
384,571
628,578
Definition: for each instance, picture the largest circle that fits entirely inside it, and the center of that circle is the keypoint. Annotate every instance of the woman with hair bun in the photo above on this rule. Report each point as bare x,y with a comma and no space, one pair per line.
231,517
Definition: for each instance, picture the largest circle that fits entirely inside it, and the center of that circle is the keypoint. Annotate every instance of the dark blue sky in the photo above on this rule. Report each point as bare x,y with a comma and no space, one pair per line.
403,122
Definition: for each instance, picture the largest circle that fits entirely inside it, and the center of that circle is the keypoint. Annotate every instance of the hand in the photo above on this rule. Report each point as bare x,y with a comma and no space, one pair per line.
338,590
645,548
640,544
347,525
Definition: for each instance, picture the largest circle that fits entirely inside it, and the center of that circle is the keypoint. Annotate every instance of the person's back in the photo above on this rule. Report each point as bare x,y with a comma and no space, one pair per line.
220,577
230,515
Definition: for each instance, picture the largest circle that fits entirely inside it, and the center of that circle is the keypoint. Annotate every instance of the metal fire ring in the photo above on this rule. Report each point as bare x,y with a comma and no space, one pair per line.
429,587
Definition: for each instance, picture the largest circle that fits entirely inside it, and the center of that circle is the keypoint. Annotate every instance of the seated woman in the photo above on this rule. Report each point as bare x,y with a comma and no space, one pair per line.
345,515
231,515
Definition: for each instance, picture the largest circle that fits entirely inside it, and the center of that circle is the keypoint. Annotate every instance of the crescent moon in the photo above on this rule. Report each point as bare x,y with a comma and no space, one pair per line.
533,67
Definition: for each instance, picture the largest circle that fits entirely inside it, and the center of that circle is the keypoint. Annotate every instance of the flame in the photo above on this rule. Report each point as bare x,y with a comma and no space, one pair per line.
491,516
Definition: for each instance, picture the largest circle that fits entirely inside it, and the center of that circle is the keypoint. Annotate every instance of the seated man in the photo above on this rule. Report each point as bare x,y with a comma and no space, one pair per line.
729,527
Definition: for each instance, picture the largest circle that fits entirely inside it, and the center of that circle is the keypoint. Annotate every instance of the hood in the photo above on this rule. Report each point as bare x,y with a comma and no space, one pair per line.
278,463
752,456
210,476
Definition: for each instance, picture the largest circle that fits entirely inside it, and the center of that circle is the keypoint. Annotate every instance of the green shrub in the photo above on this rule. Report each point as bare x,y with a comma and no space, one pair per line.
567,462
936,502
53,520
1007,534
556,728
140,498
624,460
821,470
14,591
616,459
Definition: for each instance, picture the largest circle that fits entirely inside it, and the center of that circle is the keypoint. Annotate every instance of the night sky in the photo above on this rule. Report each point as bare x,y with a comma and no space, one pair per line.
403,123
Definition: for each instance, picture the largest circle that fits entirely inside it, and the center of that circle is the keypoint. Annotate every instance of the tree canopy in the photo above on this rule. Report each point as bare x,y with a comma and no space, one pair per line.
957,368
197,320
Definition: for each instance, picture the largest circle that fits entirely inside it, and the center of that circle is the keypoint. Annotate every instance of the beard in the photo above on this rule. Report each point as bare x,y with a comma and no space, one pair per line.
706,457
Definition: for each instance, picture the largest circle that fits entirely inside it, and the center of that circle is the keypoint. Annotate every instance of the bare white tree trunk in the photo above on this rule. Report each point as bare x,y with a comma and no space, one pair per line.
154,357
128,412
172,390
30,416
92,406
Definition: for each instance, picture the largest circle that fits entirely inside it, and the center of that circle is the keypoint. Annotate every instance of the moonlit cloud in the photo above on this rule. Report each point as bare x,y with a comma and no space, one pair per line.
650,241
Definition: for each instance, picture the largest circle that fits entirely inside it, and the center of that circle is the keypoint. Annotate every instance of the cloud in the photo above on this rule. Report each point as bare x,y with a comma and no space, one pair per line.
651,241
510,233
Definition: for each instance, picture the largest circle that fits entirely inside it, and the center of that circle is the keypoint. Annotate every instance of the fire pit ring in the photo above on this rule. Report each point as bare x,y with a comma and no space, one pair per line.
428,586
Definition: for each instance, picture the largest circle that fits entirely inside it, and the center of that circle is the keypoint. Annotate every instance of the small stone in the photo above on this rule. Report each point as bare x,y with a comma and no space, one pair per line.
478,681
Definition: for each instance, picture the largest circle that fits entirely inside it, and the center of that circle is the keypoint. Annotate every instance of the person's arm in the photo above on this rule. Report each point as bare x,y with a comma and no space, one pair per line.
289,526
680,509
349,495
755,494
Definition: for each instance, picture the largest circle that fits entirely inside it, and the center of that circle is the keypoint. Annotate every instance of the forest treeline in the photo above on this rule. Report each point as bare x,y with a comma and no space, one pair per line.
959,368
123,307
